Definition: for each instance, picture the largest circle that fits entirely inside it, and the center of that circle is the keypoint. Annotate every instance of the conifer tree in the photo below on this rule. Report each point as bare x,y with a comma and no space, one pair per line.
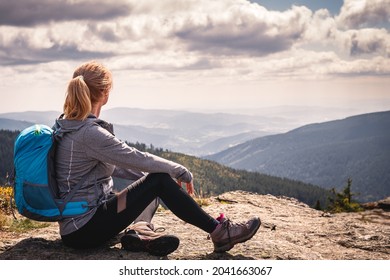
342,202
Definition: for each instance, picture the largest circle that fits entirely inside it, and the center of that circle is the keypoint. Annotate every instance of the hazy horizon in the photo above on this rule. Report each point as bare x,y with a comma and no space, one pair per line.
288,117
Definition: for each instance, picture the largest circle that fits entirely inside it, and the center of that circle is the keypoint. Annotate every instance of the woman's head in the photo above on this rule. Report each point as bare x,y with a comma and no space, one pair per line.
90,85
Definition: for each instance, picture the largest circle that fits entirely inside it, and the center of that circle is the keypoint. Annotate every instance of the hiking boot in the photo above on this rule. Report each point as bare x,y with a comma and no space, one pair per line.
227,233
142,237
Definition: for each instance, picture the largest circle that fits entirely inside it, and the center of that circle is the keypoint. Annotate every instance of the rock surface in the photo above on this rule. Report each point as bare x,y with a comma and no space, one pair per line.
289,230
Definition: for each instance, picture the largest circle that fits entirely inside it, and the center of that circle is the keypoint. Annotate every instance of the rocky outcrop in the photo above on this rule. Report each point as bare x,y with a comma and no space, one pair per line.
381,204
384,204
290,230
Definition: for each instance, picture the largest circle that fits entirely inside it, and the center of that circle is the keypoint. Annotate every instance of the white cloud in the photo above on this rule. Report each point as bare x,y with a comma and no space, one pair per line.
28,13
46,44
243,30
199,41
364,13
361,67
369,41
326,30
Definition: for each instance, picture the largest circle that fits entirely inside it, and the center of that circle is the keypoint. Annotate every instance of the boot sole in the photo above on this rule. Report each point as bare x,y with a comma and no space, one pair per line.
161,246
228,246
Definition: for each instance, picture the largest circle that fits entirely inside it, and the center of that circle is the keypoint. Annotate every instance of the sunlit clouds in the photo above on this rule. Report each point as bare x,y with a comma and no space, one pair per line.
173,44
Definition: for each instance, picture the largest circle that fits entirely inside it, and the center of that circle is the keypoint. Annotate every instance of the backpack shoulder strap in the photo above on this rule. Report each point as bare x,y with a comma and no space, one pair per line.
69,196
57,135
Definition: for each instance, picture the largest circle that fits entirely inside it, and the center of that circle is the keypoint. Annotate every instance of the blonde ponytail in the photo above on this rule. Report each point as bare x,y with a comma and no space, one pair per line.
78,100
91,81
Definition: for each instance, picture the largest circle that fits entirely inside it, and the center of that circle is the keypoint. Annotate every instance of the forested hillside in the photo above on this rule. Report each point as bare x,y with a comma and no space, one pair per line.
7,139
210,177
324,154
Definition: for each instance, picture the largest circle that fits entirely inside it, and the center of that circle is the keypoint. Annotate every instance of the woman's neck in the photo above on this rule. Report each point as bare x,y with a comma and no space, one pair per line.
96,109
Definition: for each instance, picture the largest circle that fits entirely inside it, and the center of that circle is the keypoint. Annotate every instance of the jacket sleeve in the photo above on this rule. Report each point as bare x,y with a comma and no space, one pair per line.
128,174
103,146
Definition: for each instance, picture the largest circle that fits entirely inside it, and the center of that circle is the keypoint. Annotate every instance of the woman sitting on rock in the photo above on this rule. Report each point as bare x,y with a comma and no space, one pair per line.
91,150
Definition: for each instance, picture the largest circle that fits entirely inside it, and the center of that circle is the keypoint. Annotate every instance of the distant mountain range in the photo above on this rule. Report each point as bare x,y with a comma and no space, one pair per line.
180,131
324,154
188,132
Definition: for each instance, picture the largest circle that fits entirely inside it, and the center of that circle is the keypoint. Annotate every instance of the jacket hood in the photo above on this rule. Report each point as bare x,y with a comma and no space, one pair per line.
63,125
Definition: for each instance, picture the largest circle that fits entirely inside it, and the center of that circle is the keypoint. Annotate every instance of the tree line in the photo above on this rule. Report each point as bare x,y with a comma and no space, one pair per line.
211,178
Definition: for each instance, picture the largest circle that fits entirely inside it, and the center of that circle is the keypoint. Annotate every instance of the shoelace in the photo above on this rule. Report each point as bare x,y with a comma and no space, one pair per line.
133,229
159,229
227,224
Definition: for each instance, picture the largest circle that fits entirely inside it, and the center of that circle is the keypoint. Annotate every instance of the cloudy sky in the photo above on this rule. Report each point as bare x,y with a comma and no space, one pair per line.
199,54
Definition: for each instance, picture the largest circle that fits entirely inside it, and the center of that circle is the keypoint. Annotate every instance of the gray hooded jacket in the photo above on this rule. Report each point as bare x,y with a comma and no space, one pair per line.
89,148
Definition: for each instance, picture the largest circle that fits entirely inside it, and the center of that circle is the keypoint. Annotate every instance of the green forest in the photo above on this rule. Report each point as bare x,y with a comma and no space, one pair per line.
7,140
210,178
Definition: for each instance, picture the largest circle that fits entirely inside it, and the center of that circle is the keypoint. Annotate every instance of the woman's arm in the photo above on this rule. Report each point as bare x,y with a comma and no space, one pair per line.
128,174
103,146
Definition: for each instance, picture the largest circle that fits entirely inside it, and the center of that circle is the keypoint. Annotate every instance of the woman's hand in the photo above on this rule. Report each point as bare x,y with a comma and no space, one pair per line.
187,177
189,187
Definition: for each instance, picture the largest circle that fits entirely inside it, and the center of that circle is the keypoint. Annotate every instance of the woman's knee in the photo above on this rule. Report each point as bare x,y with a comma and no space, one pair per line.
152,185
159,177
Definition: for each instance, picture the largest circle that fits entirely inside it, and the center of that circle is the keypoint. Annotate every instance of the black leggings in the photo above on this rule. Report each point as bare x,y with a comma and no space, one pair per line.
107,223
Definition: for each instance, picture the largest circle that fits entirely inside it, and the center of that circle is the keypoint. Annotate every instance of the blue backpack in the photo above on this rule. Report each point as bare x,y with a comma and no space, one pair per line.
35,185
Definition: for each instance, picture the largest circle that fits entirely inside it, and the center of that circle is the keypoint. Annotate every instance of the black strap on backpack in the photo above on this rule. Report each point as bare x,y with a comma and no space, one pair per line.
58,133
52,178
